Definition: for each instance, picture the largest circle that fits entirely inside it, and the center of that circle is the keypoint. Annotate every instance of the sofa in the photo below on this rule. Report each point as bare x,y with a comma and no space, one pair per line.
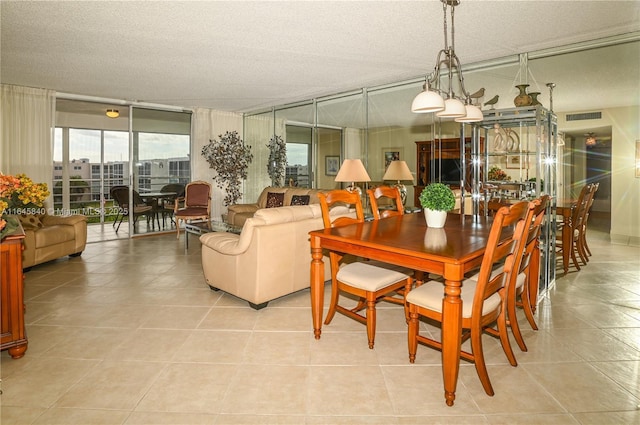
270,258
237,214
50,237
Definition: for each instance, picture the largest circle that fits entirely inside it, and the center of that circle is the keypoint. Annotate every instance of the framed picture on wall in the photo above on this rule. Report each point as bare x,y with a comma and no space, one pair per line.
390,154
331,165
515,162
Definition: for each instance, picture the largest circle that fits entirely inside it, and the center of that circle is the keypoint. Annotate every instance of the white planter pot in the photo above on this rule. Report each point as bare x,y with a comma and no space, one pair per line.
435,218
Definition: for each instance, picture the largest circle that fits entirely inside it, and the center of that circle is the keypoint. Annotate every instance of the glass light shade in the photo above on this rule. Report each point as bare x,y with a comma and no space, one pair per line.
113,113
352,170
427,101
398,170
453,108
474,114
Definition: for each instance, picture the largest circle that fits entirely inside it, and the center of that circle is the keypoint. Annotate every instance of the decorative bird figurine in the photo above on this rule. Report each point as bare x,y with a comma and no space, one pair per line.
477,94
492,101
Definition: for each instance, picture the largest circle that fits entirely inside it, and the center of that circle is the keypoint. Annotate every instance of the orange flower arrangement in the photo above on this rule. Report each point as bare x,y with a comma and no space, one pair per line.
19,195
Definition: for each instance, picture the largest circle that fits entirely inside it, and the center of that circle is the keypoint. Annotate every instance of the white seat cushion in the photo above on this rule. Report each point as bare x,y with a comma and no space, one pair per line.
368,277
431,293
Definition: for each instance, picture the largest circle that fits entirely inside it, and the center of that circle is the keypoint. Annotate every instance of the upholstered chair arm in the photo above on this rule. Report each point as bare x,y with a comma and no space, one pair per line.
71,220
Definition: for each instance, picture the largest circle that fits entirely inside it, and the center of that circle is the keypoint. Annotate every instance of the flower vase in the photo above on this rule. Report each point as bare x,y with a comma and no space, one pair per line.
522,99
434,218
534,98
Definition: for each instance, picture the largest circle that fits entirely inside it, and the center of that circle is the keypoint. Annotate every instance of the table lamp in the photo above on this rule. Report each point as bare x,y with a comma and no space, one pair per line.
399,170
351,171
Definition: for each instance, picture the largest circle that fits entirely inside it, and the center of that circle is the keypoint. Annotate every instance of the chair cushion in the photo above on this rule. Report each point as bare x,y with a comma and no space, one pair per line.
430,295
30,221
368,277
275,200
191,212
300,200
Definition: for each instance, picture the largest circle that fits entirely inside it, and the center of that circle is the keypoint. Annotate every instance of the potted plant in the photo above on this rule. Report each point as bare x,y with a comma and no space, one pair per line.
230,158
437,199
277,163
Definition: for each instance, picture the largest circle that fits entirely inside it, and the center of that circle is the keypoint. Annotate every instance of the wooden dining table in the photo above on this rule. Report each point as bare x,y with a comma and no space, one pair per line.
406,241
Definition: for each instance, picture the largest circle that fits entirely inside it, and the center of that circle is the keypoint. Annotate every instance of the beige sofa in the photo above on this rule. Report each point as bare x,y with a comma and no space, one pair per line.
50,237
237,214
270,258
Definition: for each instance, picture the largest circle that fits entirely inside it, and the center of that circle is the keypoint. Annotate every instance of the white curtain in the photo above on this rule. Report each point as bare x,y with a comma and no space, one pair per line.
208,124
26,122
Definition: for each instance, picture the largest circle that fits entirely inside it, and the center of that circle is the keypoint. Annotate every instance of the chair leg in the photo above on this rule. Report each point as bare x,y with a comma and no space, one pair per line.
502,332
515,327
371,319
335,294
412,334
478,356
525,301
178,227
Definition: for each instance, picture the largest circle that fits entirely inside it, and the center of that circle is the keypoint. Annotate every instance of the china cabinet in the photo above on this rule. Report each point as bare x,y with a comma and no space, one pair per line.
517,161
12,336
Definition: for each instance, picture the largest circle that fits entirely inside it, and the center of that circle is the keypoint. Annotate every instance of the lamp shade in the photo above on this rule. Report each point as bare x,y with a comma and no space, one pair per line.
427,101
453,108
398,170
113,113
474,114
352,170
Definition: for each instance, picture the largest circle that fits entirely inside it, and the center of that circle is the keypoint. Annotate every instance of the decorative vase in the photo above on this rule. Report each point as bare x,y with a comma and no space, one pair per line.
435,238
434,218
522,99
534,98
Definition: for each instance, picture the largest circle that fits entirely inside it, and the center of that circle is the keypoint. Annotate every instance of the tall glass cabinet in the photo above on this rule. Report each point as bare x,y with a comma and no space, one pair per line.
517,161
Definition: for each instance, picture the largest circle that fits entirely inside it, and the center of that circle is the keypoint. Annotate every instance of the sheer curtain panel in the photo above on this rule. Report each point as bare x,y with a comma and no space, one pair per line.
27,121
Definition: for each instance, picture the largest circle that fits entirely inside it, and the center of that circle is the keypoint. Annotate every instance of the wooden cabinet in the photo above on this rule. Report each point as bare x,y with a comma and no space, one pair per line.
13,336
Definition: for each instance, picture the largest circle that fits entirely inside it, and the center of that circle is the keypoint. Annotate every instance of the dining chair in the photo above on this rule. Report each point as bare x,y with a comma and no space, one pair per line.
167,203
120,194
483,300
576,222
390,194
370,281
196,203
583,233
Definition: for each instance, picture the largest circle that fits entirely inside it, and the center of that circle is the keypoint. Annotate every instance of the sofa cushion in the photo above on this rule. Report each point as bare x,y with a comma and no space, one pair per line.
274,200
300,200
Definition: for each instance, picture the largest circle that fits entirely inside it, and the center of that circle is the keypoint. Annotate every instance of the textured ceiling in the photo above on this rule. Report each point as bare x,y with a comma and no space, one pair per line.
241,56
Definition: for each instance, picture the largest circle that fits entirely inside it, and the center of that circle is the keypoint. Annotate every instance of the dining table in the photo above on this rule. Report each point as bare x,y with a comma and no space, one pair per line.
406,241
154,199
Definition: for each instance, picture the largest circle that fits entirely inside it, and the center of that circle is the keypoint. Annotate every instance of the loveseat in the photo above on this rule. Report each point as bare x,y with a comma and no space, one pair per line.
237,214
50,237
270,258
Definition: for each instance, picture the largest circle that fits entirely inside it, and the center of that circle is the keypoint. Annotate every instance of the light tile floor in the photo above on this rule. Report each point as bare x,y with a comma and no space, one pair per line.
129,333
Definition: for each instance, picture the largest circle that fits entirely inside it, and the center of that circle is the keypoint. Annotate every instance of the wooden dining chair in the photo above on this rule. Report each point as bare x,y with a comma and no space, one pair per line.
575,224
483,300
370,281
389,193
196,204
583,231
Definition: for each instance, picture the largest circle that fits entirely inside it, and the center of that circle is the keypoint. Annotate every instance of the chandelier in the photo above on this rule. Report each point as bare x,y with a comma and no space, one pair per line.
445,102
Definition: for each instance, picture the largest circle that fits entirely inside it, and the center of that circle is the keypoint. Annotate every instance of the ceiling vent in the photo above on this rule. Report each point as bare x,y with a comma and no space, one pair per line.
584,116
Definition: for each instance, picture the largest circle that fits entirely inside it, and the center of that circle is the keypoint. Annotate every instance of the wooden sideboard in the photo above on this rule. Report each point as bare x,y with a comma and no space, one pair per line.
13,335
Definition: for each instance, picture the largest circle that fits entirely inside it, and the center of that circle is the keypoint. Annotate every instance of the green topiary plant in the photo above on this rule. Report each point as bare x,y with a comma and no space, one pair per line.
438,197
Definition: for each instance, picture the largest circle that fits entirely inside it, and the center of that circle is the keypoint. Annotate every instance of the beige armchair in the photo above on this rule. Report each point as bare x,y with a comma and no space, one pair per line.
53,237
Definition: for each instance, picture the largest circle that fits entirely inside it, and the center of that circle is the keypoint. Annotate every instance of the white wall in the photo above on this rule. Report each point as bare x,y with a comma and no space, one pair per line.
625,187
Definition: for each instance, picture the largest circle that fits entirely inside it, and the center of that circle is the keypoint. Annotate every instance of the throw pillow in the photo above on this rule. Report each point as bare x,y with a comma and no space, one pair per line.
30,221
300,200
275,200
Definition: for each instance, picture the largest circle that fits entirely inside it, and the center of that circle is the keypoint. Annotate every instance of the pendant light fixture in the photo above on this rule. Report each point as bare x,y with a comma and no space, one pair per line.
447,103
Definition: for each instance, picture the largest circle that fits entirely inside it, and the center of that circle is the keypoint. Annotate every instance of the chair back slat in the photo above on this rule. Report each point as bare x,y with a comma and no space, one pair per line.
340,197
385,192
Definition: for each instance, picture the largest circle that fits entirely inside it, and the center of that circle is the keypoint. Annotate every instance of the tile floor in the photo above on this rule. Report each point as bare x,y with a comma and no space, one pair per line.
129,333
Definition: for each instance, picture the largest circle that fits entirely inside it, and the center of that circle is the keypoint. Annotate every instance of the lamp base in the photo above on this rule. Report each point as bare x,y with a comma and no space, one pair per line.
353,188
403,192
